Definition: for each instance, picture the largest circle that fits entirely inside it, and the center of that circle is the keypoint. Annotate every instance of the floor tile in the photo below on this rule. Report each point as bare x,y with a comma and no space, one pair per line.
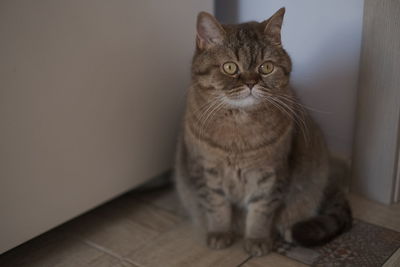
384,215
122,226
57,250
182,247
272,260
165,198
150,229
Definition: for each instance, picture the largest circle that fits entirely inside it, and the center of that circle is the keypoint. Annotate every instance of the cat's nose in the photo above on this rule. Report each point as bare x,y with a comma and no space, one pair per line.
250,79
250,83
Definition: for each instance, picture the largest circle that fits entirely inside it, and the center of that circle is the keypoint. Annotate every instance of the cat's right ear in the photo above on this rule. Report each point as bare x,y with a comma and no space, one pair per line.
273,26
209,31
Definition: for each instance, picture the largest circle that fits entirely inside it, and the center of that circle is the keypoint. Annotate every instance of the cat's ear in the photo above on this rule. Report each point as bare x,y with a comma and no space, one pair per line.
273,27
209,31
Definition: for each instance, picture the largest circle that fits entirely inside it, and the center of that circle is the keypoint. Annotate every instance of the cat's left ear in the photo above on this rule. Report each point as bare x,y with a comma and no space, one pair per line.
273,26
209,31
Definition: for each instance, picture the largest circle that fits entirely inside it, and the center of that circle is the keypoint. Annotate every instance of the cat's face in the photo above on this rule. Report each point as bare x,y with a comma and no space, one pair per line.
240,65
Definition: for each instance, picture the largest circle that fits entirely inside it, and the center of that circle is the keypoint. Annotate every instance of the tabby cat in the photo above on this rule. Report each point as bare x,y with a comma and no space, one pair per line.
250,160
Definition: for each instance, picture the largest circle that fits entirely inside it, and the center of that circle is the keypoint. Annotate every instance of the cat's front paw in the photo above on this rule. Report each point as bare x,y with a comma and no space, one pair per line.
217,240
258,246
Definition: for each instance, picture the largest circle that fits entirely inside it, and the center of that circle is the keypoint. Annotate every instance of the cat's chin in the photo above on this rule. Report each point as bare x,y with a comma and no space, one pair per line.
244,102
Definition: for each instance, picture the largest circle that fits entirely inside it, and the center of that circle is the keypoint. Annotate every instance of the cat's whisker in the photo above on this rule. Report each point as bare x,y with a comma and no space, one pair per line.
204,108
297,107
291,99
212,114
296,102
200,113
302,124
281,108
207,113
301,121
289,111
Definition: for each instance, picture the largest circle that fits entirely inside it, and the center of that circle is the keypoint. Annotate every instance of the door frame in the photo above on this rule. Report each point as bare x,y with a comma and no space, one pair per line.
376,163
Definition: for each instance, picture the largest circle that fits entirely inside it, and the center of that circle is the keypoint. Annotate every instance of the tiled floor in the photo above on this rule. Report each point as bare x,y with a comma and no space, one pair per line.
150,230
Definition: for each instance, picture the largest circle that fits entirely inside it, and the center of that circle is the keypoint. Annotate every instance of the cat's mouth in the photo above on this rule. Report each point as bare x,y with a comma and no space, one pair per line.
242,98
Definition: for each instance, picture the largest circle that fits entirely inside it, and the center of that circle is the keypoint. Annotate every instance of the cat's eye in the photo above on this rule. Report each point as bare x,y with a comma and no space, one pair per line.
266,68
230,68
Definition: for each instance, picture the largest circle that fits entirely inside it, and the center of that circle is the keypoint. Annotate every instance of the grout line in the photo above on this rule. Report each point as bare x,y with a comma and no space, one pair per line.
246,260
108,252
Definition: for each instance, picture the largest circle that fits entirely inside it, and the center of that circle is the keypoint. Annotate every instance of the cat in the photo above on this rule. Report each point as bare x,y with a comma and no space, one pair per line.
250,160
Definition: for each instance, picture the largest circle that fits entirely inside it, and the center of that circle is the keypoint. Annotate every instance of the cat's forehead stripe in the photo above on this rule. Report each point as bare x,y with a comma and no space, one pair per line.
247,45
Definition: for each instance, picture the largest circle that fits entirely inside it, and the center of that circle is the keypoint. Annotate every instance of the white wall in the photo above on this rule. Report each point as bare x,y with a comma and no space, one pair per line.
324,39
91,95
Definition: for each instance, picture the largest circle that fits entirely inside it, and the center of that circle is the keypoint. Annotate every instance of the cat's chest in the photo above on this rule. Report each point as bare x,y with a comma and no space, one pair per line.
239,184
239,131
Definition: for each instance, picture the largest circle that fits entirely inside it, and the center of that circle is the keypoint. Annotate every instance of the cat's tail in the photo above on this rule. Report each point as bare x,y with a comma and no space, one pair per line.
334,216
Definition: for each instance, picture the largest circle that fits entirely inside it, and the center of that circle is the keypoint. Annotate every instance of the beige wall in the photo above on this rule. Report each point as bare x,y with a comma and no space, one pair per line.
376,143
90,97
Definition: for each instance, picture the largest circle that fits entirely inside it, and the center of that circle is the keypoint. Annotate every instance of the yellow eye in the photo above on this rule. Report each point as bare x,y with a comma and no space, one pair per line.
230,68
266,68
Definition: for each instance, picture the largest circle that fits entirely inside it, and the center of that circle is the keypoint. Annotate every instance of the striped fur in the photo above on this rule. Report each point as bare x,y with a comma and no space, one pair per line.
251,161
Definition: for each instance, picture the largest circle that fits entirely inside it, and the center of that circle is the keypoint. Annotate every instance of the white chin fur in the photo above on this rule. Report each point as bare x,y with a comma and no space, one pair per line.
242,102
